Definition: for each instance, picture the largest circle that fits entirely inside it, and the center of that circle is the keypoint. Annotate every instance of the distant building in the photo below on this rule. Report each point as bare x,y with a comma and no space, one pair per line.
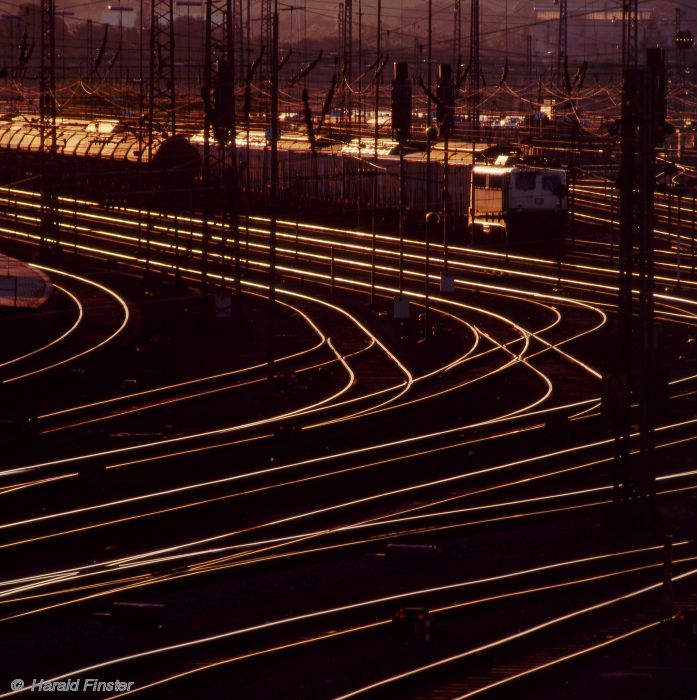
118,15
594,30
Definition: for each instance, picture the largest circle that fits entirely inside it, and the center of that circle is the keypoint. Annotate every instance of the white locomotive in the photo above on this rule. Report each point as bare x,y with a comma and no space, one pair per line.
512,201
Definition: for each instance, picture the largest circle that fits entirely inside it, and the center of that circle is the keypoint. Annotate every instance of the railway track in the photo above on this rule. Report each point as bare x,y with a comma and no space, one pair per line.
99,317
391,450
617,581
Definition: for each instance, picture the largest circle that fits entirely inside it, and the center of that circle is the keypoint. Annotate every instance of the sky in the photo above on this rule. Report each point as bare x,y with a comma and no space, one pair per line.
405,20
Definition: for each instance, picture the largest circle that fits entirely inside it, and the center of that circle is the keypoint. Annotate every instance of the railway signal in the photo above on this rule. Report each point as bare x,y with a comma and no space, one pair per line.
445,103
415,622
223,95
401,103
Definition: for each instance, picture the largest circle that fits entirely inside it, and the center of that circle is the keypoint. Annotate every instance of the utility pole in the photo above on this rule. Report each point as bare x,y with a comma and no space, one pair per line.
360,81
227,83
429,59
341,72
445,117
141,84
376,135
238,22
529,75
208,137
475,69
47,122
431,216
562,56
188,4
401,129
340,30
457,35
89,57
348,58
473,112
120,9
63,14
14,56
143,130
273,193
633,377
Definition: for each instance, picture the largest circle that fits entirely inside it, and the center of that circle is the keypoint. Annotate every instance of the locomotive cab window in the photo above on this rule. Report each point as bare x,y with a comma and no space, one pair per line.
488,181
479,180
551,182
495,182
525,181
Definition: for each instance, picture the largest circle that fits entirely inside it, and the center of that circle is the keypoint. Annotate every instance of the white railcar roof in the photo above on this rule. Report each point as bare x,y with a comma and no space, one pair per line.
98,138
258,139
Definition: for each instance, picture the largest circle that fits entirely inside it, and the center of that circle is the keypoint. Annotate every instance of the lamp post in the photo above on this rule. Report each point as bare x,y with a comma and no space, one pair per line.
63,14
120,9
11,70
12,20
188,4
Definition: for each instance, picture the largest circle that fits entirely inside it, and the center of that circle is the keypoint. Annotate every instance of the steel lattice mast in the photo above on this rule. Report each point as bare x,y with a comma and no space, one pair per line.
630,46
220,120
266,38
162,96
